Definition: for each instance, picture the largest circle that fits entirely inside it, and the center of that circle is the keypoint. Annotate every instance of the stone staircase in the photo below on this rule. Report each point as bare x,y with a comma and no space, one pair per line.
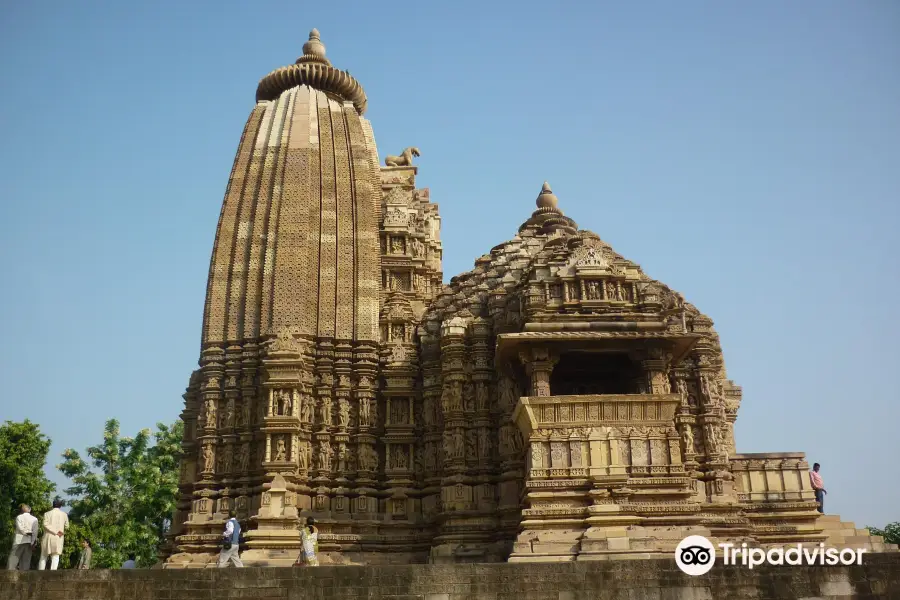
845,534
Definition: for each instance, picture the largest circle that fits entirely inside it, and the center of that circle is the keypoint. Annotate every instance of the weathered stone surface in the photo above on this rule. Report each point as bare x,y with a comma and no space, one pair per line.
878,577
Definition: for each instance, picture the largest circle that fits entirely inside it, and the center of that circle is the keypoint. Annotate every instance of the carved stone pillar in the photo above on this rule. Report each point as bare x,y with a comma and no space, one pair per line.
366,460
539,363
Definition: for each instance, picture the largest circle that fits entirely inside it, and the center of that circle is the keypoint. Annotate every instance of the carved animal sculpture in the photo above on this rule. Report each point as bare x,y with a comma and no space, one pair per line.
404,160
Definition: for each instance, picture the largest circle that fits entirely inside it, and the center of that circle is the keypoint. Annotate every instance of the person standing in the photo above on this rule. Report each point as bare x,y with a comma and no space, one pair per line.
131,563
231,543
55,524
309,544
818,487
84,560
25,538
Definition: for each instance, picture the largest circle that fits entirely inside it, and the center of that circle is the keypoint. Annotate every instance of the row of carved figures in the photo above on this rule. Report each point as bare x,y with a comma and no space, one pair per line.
714,441
402,281
712,392
290,403
592,289
399,246
458,444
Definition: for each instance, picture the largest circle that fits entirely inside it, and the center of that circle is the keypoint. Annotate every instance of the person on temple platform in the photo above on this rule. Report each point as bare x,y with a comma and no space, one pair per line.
309,540
818,487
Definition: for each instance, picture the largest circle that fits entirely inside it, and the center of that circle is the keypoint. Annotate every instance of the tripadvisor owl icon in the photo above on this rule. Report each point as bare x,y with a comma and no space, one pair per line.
695,555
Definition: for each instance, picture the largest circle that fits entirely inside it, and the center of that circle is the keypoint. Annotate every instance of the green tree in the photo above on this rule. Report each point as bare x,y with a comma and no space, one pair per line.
890,533
124,494
23,454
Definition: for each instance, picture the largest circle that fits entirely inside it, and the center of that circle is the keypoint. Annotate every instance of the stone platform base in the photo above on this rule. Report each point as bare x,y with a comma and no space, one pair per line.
286,558
878,577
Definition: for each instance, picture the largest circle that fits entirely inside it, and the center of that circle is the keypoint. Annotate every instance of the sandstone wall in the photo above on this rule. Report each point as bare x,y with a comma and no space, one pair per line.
878,577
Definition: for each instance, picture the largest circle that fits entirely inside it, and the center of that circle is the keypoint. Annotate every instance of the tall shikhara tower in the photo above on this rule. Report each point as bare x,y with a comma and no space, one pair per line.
553,403
281,417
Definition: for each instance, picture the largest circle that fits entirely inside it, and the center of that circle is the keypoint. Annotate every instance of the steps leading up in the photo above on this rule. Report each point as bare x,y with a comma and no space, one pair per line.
845,534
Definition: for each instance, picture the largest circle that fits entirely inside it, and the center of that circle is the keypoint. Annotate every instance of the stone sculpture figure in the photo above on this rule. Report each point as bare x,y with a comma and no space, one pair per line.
209,458
325,452
367,458
244,458
344,412
484,443
342,457
459,444
280,451
481,396
610,290
306,409
468,397
398,352
229,413
454,400
504,441
507,393
210,413
405,158
681,389
245,413
712,440
688,438
325,411
364,412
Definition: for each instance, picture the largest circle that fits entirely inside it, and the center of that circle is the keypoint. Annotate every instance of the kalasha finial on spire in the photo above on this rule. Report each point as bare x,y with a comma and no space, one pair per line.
314,70
546,199
314,50
314,46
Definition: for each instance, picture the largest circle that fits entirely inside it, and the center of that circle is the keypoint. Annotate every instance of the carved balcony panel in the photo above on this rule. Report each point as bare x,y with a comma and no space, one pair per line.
772,477
600,436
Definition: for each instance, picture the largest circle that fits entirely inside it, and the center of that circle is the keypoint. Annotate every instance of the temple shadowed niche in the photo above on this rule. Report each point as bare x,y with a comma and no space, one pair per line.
553,403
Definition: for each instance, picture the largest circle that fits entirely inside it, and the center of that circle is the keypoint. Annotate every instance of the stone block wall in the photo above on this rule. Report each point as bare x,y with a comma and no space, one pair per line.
878,577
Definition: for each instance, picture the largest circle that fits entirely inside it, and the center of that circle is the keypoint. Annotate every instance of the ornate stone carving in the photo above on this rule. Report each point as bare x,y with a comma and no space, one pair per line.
405,158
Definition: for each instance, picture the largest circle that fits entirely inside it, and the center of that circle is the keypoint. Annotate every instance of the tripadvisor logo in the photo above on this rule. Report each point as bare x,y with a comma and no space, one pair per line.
695,555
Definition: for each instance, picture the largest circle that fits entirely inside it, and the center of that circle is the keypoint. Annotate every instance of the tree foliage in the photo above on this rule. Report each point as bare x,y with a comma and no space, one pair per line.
123,494
23,454
890,533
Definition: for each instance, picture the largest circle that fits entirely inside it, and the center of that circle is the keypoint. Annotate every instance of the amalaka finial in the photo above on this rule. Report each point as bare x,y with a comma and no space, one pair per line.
546,199
314,47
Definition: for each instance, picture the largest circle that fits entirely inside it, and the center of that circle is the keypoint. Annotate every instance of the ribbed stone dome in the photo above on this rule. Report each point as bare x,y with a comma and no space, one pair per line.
297,240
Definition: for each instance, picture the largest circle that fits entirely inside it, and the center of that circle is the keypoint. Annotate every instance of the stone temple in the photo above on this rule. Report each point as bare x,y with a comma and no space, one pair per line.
554,403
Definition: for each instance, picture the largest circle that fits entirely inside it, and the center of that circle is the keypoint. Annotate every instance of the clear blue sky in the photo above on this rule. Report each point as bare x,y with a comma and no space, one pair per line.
747,154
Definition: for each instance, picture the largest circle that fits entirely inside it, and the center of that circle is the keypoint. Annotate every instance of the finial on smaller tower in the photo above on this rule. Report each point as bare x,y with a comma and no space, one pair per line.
546,199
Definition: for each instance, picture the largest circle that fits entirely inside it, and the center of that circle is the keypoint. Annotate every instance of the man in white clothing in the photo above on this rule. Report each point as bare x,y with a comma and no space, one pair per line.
55,524
24,539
